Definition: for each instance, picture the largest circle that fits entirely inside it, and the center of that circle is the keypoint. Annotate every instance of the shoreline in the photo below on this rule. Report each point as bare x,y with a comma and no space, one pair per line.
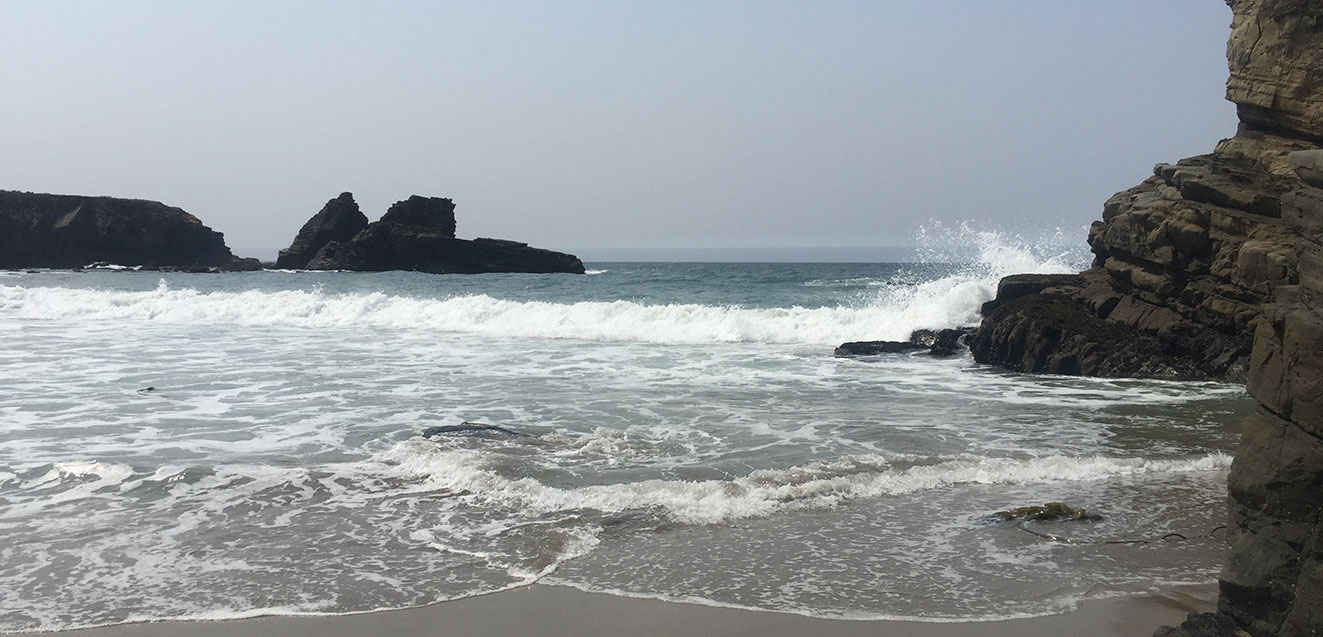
544,609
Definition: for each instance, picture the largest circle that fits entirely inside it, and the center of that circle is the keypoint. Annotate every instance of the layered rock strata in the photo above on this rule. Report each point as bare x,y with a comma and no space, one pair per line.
1213,268
419,234
68,231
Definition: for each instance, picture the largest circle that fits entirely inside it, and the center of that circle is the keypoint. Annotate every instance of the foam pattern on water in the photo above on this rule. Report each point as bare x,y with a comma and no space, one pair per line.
225,446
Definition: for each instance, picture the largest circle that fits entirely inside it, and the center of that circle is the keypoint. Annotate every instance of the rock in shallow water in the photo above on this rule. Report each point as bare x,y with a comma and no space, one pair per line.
469,429
876,348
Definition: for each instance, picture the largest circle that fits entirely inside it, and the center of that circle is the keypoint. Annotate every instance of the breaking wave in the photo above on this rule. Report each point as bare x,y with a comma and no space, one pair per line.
891,313
765,492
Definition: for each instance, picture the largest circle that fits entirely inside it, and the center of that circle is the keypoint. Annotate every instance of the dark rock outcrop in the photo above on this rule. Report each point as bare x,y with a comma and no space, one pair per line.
947,342
1213,268
466,428
877,348
1203,625
419,234
68,231
1185,262
339,220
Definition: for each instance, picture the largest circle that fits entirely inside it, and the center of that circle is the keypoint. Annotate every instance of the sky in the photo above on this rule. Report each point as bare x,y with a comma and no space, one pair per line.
600,127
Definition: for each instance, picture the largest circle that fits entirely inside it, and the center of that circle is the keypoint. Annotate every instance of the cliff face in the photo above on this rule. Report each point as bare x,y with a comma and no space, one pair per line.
418,234
1213,268
67,231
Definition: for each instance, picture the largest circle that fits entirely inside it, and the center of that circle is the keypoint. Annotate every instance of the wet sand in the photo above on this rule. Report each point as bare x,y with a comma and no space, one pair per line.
558,610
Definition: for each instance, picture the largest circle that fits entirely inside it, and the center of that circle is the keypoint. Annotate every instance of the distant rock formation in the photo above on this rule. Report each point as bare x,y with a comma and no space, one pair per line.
418,234
339,220
1213,268
68,231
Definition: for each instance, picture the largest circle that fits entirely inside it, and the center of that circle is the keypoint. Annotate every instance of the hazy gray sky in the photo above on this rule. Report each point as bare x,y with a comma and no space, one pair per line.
583,125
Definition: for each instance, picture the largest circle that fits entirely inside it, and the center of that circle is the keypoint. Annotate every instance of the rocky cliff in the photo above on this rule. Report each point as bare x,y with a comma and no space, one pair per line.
1213,268
415,234
66,231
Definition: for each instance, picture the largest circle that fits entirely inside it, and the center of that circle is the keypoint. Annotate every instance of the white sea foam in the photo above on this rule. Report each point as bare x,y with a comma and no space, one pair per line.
765,492
893,313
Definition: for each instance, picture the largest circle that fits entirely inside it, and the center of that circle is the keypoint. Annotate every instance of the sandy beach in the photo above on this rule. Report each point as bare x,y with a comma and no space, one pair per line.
558,610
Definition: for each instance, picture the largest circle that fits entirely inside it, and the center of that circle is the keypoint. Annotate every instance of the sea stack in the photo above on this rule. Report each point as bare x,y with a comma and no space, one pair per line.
69,231
415,234
339,220
1213,268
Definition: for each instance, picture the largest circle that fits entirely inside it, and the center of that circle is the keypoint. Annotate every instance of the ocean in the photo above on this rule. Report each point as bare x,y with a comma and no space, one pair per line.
183,446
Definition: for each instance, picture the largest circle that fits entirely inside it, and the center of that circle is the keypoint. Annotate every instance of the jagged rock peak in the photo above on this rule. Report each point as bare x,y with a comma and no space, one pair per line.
434,214
339,220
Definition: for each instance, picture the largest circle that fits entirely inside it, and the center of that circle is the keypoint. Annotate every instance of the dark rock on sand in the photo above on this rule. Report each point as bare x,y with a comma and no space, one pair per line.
1203,625
419,234
69,231
339,220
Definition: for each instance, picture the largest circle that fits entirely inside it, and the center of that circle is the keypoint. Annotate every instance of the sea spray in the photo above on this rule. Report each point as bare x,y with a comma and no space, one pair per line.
890,311
684,430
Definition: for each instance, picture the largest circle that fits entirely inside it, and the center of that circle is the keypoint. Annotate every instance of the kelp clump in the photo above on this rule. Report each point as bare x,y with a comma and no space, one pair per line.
1050,512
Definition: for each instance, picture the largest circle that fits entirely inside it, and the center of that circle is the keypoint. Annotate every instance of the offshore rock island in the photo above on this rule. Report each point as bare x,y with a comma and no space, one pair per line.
1213,268
68,231
415,234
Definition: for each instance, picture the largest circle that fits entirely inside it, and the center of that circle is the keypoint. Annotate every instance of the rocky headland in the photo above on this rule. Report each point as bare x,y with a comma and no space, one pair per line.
415,234
68,231
1213,268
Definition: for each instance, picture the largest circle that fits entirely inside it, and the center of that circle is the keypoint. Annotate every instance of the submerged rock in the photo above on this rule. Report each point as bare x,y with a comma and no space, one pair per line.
69,231
1050,512
468,429
877,348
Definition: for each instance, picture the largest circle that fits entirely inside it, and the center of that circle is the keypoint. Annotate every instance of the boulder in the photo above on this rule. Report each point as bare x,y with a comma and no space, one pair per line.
68,231
339,220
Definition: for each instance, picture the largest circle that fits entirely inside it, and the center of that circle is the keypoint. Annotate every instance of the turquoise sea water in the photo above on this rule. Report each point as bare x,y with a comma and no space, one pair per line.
176,445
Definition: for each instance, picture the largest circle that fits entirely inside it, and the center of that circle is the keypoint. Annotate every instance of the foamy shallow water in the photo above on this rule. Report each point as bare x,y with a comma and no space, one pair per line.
684,432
